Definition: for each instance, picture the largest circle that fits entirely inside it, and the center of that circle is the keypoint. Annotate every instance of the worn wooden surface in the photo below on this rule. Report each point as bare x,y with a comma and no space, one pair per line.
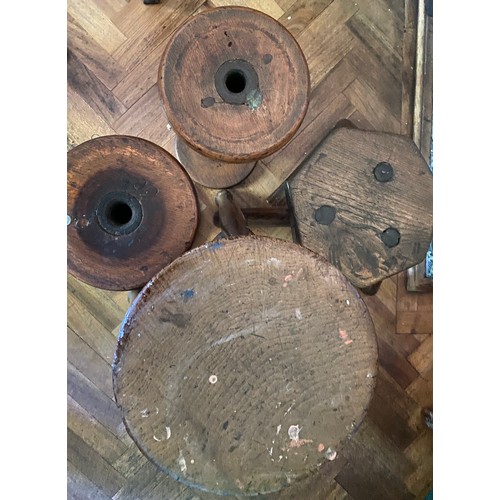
345,211
208,172
239,119
131,211
223,360
360,55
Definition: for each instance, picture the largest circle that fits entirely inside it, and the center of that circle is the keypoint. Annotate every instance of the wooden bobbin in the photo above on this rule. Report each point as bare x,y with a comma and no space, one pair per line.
131,211
243,366
235,86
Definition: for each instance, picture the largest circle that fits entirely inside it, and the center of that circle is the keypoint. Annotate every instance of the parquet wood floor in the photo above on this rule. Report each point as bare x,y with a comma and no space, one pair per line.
360,54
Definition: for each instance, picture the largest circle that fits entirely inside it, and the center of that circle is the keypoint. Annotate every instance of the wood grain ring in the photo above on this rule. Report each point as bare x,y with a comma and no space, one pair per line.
244,365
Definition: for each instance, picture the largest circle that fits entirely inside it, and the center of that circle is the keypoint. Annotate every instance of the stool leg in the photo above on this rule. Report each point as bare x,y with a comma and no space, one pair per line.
232,220
372,289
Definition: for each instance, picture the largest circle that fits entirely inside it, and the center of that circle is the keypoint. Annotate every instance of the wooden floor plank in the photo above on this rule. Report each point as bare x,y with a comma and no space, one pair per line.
400,402
327,106
94,401
399,368
83,122
380,80
80,487
325,47
87,361
144,481
301,13
93,466
390,423
421,358
99,27
140,78
378,41
91,331
369,475
96,435
98,302
148,109
92,55
150,29
92,90
364,98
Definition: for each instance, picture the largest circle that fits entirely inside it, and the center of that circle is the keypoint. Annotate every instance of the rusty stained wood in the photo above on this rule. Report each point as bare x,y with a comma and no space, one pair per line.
253,377
131,211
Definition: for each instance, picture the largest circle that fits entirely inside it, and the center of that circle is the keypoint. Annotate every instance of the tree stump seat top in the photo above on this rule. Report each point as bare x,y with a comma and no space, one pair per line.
131,211
364,200
234,83
243,366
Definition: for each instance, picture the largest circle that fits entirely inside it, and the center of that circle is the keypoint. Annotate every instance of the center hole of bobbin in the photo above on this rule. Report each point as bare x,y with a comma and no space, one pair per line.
235,81
119,213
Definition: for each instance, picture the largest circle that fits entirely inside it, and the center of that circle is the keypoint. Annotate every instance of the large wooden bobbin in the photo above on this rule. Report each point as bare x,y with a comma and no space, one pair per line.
235,86
243,366
131,211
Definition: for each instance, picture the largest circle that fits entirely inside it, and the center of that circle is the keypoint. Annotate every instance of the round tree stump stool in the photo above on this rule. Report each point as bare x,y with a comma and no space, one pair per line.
131,211
243,366
235,86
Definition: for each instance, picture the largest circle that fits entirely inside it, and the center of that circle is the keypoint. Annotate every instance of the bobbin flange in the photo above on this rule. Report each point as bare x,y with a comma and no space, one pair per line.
235,86
131,211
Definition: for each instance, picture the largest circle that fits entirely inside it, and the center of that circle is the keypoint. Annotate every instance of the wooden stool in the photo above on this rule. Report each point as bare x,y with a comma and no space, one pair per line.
364,200
131,211
243,366
235,87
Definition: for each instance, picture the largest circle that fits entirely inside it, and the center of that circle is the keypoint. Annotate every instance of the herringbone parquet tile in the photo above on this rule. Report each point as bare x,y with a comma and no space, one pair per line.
360,57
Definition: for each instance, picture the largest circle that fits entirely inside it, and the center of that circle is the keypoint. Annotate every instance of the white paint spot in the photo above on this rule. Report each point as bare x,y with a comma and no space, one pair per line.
270,451
369,375
169,127
182,462
169,432
298,314
156,439
280,457
274,262
145,413
293,432
288,411
192,461
347,302
212,379
249,261
330,454
289,17
278,429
